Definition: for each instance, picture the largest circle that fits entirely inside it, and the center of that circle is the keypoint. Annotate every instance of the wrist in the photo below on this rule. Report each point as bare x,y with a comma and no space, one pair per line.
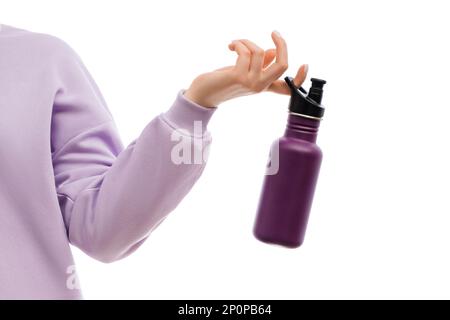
198,99
184,114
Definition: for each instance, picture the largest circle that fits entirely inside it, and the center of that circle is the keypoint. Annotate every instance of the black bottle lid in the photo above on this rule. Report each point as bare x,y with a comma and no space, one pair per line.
306,104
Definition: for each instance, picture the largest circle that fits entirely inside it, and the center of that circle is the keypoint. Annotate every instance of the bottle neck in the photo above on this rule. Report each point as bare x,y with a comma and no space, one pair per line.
302,128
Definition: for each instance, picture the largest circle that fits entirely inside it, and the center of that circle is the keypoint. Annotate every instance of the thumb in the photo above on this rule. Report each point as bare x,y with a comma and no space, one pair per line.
301,75
281,87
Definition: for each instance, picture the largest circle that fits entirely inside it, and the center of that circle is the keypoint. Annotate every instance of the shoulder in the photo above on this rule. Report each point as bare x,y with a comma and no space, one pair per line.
42,45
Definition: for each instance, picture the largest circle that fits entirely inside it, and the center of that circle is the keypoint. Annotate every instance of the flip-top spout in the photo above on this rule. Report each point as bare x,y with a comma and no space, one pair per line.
306,104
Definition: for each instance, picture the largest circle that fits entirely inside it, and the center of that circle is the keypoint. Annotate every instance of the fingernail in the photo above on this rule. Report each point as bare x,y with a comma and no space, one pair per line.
277,33
306,68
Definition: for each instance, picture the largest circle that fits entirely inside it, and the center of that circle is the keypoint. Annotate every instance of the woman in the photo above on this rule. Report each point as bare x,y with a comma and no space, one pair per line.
65,176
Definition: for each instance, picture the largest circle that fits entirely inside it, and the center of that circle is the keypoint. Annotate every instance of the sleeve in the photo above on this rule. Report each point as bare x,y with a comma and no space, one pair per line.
112,197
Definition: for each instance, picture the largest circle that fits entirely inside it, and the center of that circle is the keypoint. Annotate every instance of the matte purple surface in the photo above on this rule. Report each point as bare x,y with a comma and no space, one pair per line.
287,196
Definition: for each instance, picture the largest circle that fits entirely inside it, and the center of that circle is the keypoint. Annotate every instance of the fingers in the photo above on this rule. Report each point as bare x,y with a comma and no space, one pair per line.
269,56
257,56
277,69
244,56
281,87
254,67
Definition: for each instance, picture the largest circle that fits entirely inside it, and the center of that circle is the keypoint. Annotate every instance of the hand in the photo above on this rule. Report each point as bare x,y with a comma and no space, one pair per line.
252,73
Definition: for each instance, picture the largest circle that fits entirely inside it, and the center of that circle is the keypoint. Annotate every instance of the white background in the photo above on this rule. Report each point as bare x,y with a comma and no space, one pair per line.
380,222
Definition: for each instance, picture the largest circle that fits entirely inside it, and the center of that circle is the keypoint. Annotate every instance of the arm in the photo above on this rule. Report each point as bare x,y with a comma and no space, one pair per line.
112,197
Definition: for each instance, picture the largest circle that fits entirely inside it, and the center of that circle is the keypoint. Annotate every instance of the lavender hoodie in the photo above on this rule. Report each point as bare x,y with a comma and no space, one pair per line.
65,176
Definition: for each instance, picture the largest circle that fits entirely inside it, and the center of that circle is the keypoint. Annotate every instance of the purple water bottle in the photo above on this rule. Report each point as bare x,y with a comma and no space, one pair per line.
292,171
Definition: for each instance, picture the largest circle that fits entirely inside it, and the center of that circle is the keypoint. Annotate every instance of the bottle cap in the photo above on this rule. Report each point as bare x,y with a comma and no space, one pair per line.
306,104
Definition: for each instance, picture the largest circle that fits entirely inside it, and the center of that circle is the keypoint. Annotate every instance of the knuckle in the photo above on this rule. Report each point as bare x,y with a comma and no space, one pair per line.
279,70
257,87
246,53
284,66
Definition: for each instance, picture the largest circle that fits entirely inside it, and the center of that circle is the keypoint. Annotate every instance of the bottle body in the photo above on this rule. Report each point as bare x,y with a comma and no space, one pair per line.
287,195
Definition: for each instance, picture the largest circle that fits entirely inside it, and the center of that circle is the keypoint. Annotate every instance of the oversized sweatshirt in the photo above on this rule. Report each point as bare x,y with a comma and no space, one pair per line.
65,175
